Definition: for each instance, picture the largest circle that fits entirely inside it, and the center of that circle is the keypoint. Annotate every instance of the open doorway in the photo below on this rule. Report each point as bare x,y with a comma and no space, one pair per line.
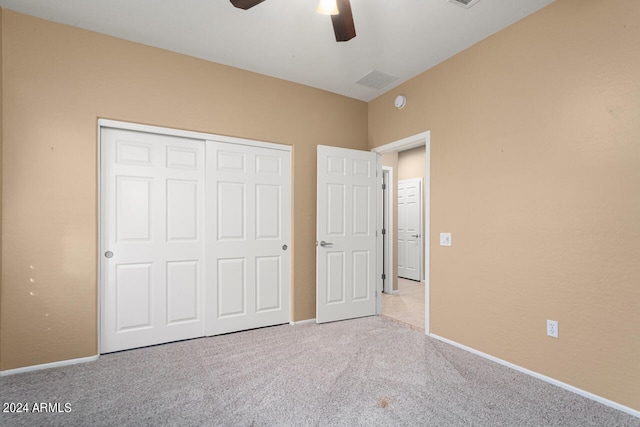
406,300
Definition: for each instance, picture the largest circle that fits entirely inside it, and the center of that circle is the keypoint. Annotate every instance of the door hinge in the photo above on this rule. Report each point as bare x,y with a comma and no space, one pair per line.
384,186
384,276
384,231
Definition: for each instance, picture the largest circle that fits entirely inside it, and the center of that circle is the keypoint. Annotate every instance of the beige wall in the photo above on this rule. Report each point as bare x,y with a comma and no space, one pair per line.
58,81
535,169
411,164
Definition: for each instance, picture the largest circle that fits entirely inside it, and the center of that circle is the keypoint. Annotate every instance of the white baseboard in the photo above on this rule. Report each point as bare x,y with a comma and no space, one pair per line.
48,365
545,378
302,322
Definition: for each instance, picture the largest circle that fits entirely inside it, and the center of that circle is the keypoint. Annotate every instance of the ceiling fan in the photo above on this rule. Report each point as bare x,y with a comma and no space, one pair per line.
343,25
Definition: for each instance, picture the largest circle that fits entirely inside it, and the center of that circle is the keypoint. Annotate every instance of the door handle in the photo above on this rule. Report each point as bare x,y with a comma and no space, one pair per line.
415,235
108,254
325,244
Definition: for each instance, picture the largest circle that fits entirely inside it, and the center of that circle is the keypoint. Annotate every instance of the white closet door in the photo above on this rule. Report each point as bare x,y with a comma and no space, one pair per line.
248,237
152,240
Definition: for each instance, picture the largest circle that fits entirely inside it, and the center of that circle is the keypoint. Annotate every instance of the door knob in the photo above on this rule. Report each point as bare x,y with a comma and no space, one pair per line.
324,244
415,235
108,254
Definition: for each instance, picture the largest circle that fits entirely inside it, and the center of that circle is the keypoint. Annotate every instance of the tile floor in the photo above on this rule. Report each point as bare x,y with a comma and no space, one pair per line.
407,306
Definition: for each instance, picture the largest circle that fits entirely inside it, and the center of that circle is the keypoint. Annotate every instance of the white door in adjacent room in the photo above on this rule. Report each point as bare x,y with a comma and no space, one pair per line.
248,237
410,229
346,221
152,238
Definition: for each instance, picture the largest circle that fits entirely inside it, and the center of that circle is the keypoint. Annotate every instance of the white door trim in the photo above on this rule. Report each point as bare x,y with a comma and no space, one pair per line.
390,232
116,124
418,140
188,134
379,240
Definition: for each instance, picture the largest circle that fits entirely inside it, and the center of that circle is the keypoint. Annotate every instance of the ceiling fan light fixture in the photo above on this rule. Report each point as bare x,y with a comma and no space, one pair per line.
327,7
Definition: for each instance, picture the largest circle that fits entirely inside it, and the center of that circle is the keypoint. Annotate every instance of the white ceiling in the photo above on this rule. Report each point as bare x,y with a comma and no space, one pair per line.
287,39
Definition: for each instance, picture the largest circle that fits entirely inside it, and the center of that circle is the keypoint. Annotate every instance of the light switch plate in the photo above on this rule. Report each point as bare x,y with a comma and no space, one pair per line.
552,328
445,239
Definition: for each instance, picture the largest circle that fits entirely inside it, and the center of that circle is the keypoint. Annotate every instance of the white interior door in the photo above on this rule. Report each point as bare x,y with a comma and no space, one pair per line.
152,240
346,234
410,229
248,234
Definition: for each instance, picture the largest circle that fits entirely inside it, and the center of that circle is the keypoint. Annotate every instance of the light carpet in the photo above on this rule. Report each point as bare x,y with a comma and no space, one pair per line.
365,371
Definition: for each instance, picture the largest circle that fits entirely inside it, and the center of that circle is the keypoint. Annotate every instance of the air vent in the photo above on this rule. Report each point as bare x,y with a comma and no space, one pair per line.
464,3
376,79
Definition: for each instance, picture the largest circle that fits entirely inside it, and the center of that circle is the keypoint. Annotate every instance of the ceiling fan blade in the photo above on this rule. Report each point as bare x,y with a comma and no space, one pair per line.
343,24
245,4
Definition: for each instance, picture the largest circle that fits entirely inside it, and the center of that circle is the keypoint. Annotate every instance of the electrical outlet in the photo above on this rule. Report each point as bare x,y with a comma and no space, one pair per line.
552,328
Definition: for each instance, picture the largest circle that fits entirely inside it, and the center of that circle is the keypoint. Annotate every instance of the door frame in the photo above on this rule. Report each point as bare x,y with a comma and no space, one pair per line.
387,225
116,124
418,140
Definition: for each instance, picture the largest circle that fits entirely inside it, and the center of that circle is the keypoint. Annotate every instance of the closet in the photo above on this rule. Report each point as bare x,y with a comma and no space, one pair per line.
194,235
